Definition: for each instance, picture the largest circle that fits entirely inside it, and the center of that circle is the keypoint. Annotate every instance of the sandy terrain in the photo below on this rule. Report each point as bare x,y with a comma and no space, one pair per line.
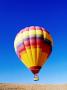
32,87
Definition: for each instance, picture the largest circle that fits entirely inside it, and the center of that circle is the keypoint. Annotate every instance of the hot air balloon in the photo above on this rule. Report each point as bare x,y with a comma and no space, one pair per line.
33,45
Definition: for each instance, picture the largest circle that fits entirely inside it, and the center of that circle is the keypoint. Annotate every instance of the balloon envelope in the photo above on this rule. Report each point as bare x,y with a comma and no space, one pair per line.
33,46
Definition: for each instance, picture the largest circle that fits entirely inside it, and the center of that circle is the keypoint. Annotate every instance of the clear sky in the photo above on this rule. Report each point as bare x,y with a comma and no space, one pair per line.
17,14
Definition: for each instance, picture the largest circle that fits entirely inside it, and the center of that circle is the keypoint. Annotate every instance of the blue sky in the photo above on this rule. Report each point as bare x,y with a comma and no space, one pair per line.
15,15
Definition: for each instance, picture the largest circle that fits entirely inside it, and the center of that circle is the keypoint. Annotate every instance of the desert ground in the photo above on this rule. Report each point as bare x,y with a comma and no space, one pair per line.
33,87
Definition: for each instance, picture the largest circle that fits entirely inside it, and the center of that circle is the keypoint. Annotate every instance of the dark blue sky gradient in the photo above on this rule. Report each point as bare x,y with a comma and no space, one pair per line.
17,14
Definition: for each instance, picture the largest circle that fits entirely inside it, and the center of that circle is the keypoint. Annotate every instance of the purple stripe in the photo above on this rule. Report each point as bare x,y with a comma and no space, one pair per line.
36,37
20,45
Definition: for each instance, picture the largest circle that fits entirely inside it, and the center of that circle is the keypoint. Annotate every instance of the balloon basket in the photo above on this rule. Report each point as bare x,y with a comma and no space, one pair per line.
36,78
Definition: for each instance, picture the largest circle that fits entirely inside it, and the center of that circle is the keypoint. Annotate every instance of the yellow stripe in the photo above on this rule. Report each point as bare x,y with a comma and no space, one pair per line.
35,32
24,59
28,50
39,32
34,55
32,32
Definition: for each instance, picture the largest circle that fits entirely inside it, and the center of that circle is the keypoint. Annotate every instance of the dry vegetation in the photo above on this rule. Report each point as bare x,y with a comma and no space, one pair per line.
32,87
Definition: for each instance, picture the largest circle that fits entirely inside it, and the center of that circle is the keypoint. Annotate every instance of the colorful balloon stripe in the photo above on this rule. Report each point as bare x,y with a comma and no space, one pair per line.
34,43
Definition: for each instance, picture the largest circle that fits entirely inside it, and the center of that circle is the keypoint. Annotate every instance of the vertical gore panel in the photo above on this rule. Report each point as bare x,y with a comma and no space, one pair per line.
32,34
28,50
39,43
